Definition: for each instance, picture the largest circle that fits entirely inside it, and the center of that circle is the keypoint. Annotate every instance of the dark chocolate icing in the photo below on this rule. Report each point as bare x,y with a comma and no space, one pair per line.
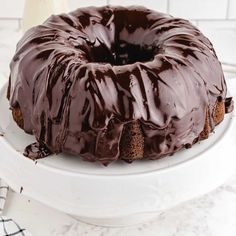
36,150
80,77
229,105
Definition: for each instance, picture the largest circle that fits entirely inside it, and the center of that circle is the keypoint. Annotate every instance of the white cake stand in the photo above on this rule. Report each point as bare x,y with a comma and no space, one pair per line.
120,194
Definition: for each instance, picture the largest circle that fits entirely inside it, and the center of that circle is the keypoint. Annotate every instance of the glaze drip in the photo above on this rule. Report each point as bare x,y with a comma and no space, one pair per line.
36,151
229,105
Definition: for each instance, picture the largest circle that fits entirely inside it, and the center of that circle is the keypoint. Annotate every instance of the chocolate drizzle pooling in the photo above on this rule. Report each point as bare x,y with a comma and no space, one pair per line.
229,105
36,151
80,77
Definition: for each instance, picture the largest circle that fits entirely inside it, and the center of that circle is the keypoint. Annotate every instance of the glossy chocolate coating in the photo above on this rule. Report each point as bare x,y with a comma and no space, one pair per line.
80,77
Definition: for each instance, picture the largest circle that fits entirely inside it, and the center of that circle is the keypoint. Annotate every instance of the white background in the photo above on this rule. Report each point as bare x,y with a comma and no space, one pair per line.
199,10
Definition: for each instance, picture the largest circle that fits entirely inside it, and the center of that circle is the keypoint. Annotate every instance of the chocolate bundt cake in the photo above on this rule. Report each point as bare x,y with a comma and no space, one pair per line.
113,83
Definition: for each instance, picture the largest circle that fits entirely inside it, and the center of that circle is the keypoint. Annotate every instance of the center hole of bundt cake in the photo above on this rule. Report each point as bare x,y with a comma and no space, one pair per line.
122,53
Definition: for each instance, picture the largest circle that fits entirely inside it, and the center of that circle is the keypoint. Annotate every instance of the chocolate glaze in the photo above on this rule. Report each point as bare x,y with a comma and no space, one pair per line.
36,150
229,105
80,77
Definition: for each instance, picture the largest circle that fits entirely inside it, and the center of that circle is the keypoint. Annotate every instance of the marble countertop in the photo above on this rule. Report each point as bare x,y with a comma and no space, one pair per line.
213,214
